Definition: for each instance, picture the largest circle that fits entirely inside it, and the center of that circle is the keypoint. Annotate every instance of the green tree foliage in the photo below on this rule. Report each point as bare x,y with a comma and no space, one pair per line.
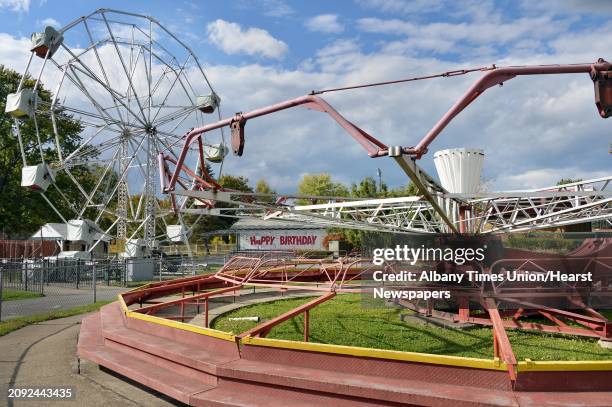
262,187
237,183
367,188
321,185
23,211
206,224
568,181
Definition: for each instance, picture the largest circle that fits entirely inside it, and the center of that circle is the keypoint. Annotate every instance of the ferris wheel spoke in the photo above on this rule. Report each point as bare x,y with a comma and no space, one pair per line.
170,117
158,82
119,97
91,40
95,189
74,78
123,64
116,96
171,87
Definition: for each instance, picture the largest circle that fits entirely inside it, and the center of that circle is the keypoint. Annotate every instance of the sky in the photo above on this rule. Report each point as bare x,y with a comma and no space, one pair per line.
533,130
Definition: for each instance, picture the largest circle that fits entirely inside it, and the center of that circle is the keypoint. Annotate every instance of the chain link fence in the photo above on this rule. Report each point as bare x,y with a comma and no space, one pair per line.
38,285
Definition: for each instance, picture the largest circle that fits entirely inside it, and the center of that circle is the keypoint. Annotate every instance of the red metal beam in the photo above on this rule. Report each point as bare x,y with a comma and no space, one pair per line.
495,77
268,325
500,336
371,144
208,294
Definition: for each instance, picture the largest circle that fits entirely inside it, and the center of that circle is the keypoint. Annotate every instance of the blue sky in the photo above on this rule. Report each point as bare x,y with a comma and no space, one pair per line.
534,131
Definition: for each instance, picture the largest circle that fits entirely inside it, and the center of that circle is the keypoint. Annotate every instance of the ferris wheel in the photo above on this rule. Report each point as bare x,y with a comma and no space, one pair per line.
133,89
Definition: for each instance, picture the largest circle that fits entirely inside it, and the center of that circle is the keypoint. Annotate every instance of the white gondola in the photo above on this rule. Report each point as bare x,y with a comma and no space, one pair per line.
176,233
216,152
83,230
48,40
20,104
134,248
36,177
208,103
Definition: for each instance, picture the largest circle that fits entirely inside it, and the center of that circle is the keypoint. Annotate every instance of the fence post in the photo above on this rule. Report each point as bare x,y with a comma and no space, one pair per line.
78,272
94,277
1,289
25,263
44,272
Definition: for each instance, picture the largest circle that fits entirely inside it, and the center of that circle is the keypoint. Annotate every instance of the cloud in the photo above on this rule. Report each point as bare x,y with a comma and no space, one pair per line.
15,5
276,8
402,6
475,33
534,130
327,23
52,22
232,39
545,177
569,6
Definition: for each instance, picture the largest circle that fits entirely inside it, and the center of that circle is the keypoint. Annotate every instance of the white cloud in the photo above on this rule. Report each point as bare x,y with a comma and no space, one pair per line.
232,39
276,8
402,6
52,22
443,36
534,130
545,177
15,5
327,23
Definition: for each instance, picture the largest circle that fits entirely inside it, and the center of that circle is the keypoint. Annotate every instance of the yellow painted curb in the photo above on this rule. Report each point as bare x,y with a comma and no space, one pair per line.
489,364
175,324
124,307
564,366
182,326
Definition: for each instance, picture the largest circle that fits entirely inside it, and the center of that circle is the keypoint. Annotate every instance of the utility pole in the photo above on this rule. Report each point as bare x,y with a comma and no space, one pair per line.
379,173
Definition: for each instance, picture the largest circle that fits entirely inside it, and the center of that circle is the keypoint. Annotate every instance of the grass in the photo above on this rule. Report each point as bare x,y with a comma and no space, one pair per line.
345,320
20,322
9,294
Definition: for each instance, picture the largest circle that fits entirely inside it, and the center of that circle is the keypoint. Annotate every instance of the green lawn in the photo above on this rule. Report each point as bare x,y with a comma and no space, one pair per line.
345,320
9,294
16,323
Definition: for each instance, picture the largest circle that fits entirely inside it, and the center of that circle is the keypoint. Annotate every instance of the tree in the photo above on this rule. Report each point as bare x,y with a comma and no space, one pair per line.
22,211
568,181
365,189
321,185
262,187
238,183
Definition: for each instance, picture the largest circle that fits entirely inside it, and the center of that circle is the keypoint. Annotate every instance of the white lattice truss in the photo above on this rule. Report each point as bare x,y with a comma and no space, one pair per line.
497,212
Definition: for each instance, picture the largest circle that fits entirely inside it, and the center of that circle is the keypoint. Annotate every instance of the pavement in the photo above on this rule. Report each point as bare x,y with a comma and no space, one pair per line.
57,298
44,355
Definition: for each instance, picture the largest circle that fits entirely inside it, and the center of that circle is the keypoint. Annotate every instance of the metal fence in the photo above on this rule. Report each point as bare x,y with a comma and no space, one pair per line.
38,285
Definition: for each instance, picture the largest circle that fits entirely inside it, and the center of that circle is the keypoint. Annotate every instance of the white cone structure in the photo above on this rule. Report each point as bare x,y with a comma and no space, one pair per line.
460,169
